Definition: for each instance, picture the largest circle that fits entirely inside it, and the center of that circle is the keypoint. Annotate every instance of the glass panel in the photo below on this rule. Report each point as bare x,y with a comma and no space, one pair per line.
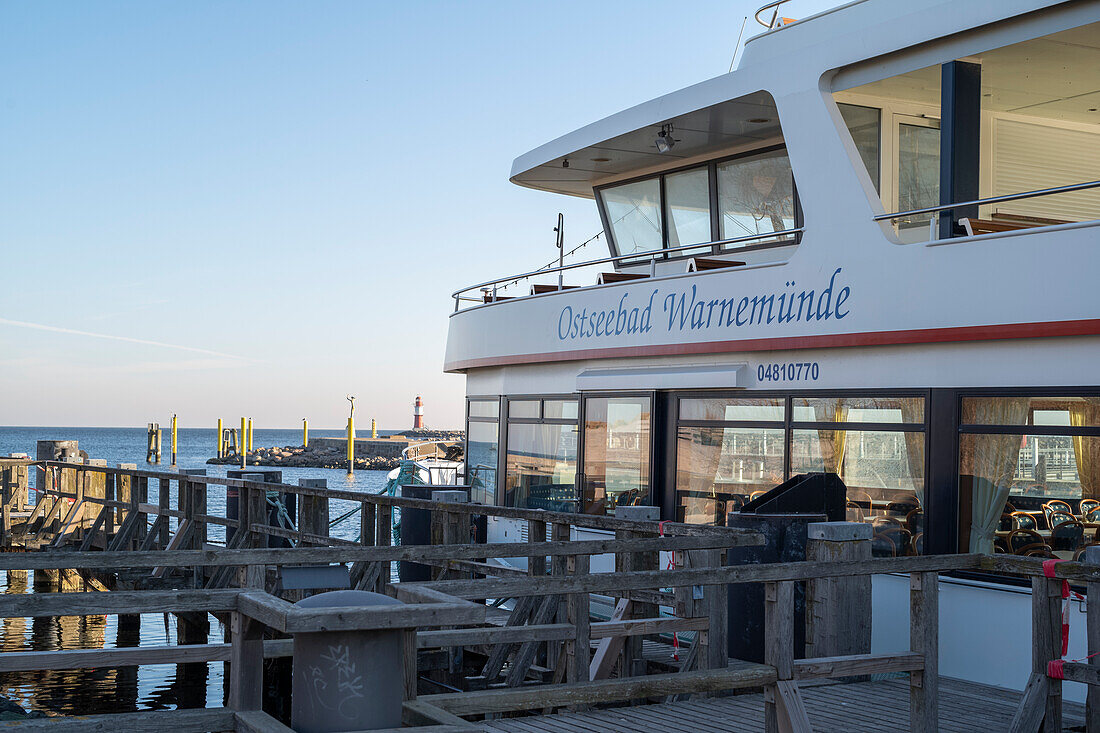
634,213
884,473
484,408
720,408
1065,411
918,178
688,195
864,125
616,453
1028,494
541,467
560,409
755,195
719,469
859,409
481,462
523,408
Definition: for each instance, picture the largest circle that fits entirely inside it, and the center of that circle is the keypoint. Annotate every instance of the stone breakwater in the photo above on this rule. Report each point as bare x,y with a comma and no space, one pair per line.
371,454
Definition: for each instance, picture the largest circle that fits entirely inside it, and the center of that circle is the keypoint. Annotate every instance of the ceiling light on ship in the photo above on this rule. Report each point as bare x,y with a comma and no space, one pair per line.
664,141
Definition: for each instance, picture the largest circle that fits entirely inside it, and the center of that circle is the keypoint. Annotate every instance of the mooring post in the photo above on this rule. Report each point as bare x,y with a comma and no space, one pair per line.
838,610
174,425
348,680
305,433
242,449
221,445
924,638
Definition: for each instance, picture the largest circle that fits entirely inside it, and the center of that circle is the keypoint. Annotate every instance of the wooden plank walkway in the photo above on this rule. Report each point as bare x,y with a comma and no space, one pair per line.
833,707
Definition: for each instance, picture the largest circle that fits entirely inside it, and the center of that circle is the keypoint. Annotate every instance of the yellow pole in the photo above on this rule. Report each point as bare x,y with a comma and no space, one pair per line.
305,433
160,436
373,429
351,445
221,447
240,444
249,434
173,440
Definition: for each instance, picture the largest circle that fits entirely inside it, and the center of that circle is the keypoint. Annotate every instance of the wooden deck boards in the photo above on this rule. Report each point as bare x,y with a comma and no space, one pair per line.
878,705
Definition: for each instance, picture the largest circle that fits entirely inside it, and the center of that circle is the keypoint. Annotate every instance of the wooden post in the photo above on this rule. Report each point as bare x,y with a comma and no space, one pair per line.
778,646
579,650
556,657
312,511
924,638
7,492
141,496
716,603
536,532
1092,624
246,678
838,610
163,504
1046,643
109,493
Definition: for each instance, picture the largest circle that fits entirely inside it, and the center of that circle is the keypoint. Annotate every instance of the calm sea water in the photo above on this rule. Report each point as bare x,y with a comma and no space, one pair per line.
69,692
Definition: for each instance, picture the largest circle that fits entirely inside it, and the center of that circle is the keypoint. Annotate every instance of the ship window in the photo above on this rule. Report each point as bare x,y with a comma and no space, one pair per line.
860,409
616,453
721,408
482,454
688,194
1029,474
560,409
1022,119
523,409
634,214
865,126
541,467
755,195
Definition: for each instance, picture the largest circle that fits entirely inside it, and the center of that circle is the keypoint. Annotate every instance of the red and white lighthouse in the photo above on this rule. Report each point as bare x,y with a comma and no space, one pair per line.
418,413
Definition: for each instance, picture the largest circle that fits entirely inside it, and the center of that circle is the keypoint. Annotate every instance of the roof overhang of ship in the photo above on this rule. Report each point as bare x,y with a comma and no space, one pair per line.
576,162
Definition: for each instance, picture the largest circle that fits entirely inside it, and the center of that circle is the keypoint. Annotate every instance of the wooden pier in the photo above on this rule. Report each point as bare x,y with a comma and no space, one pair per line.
488,647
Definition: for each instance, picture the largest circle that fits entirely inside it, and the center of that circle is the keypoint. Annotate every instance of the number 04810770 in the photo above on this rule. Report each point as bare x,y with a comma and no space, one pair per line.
789,371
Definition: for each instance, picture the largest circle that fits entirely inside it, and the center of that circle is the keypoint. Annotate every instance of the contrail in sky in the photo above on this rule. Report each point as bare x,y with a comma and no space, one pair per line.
110,337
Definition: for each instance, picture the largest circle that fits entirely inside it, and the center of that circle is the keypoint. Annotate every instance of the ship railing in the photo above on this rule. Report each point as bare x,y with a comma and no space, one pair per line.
775,21
937,211
491,287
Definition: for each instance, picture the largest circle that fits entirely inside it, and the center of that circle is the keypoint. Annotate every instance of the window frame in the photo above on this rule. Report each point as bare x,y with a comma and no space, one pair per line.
711,167
506,420
651,492
500,399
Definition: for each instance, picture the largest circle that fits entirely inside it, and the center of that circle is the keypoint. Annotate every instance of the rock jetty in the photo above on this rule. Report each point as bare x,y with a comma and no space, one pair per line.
371,454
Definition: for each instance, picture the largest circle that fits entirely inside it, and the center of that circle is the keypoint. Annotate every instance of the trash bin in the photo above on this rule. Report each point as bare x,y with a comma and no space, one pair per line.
347,680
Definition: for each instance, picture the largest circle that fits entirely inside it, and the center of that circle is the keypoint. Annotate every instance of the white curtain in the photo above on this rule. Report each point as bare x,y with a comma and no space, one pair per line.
991,460
989,504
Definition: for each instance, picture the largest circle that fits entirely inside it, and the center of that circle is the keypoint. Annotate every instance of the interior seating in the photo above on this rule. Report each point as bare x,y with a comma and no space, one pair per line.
1067,535
914,521
1093,515
490,298
1023,520
1087,505
607,278
854,512
700,264
1023,539
1056,518
1004,222
1057,505
883,546
1078,554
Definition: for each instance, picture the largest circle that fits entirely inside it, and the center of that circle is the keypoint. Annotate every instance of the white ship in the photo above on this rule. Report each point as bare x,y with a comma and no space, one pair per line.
872,249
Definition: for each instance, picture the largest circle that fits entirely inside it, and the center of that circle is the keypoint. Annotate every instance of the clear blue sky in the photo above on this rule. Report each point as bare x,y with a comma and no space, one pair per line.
258,207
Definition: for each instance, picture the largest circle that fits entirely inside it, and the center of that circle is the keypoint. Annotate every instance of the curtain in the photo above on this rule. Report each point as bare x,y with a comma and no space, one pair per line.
839,437
1086,451
992,458
912,411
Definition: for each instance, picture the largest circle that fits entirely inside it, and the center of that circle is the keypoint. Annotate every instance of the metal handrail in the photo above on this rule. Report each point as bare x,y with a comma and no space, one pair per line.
991,200
640,257
775,15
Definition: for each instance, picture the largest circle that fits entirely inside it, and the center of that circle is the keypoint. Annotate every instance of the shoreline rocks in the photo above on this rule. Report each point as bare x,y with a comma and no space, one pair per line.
382,454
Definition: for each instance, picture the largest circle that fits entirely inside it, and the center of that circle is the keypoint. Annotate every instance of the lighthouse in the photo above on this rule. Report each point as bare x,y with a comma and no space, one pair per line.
418,413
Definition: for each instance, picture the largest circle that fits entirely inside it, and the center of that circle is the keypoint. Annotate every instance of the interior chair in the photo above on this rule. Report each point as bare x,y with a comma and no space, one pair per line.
853,512
1079,553
914,521
1023,520
883,546
1093,515
1058,517
1055,505
1019,539
1068,535
1087,505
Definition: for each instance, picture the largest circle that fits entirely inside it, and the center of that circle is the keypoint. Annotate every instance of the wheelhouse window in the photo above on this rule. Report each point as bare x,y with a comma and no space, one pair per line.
1029,474
634,213
741,198
616,453
755,195
482,438
541,461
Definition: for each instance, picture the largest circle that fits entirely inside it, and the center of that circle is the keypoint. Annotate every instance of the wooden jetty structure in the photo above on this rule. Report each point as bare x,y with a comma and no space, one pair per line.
492,648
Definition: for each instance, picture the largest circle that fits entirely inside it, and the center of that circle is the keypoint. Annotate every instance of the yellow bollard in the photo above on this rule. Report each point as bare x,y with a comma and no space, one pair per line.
240,444
173,440
250,434
351,445
305,433
373,429
221,447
